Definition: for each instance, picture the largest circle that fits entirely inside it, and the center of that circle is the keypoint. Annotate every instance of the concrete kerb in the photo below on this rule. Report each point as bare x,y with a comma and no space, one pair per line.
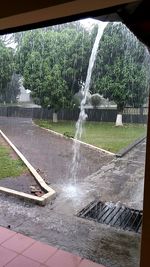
49,192
124,151
78,141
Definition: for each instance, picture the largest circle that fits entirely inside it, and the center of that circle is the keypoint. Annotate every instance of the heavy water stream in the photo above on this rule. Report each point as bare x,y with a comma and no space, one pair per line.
72,187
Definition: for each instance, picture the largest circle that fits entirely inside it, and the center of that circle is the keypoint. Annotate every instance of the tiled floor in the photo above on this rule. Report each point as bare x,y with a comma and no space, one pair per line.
18,250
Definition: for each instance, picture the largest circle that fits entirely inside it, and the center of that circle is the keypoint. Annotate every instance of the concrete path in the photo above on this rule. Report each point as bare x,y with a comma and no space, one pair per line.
56,224
50,153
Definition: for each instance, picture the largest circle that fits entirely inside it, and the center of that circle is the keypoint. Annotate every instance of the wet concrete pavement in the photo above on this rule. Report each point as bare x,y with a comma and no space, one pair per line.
50,153
100,176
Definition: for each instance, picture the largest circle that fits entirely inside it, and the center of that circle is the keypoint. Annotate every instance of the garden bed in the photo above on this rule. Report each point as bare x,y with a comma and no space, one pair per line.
13,172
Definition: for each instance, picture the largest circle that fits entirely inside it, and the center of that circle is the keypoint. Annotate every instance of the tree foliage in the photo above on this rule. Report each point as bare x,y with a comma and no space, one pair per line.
13,89
78,97
120,69
96,100
6,72
53,62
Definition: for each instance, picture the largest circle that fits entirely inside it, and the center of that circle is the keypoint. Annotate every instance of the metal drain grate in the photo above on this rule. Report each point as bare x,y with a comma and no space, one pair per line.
113,214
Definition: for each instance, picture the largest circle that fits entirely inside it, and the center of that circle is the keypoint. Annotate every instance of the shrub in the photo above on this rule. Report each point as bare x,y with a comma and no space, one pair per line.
96,100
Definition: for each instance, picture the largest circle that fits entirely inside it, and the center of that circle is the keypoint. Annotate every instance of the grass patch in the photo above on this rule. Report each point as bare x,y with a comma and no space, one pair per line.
8,166
100,134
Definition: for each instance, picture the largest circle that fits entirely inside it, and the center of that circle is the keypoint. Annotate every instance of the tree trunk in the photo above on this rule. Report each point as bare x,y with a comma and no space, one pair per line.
55,118
120,108
119,120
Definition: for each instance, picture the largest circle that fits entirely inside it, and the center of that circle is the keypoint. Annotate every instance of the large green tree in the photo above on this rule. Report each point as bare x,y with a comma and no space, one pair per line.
120,72
6,72
53,62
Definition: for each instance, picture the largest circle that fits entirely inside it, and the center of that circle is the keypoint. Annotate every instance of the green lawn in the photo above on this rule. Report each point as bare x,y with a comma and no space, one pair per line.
103,135
9,166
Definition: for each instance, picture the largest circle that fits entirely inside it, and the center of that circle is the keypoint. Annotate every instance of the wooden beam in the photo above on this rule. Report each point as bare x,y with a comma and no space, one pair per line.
70,8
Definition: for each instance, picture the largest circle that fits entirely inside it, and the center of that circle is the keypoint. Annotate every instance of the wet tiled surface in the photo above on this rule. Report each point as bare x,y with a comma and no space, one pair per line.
18,243
18,250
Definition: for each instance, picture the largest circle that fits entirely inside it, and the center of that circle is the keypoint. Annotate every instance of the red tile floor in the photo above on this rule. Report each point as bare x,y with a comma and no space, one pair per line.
17,250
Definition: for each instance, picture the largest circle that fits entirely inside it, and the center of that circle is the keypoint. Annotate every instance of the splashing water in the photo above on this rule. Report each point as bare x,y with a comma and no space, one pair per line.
83,115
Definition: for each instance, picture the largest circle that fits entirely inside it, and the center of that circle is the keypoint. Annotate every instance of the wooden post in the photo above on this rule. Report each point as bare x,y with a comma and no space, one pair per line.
145,243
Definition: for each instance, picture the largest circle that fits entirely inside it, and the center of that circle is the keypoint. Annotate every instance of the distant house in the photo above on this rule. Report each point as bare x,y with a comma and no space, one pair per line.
24,98
24,95
105,103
